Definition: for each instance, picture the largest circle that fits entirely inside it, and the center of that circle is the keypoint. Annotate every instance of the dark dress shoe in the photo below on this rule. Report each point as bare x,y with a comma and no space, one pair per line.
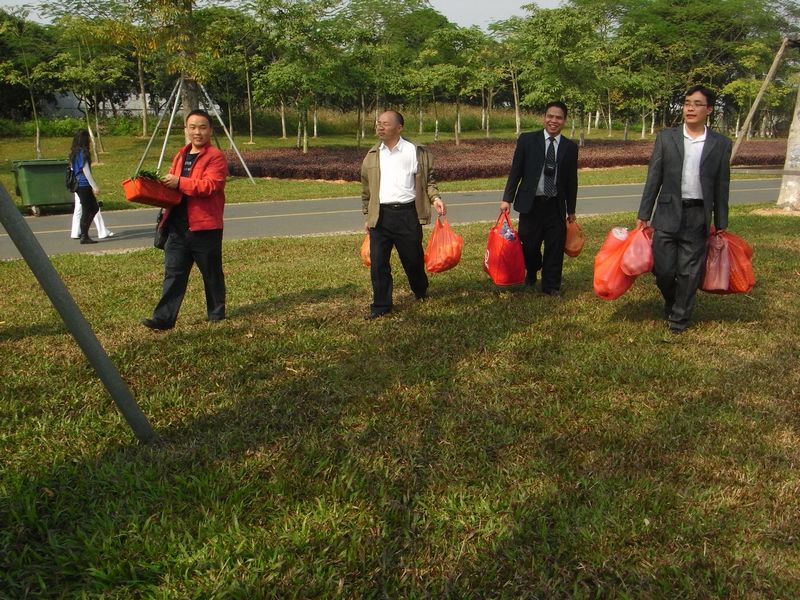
554,293
157,325
375,315
85,239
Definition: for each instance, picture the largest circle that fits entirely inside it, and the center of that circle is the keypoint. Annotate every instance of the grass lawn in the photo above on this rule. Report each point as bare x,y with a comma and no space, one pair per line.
488,443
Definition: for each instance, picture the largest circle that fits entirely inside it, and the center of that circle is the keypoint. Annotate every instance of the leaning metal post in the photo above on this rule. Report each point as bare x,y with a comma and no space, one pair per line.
227,133
44,271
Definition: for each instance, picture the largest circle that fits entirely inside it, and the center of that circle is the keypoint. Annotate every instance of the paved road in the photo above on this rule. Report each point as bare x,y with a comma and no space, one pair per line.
134,228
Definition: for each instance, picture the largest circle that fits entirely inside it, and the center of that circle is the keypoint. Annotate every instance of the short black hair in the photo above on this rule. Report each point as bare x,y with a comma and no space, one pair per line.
557,104
201,113
711,95
400,120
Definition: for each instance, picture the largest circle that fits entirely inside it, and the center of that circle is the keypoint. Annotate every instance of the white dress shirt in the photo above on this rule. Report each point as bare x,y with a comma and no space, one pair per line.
398,168
692,153
540,185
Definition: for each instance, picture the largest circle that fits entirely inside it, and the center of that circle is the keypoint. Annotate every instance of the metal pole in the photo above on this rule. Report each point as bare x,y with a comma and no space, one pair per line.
169,125
230,139
44,271
153,136
767,80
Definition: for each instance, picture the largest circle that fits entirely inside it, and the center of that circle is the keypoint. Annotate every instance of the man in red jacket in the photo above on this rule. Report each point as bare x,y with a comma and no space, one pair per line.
199,171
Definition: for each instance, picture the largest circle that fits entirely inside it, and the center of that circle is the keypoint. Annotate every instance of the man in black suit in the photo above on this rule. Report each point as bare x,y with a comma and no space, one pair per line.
689,176
543,187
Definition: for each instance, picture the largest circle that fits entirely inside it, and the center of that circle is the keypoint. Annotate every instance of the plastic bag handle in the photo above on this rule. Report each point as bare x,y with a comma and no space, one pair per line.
504,214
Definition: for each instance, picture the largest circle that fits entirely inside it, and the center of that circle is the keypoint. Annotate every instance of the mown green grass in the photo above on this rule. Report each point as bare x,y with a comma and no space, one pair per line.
488,443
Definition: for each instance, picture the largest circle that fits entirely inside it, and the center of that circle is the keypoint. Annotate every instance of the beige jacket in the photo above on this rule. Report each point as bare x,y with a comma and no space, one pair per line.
427,191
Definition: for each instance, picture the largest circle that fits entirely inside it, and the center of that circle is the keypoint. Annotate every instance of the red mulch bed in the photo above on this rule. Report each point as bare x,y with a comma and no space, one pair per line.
472,159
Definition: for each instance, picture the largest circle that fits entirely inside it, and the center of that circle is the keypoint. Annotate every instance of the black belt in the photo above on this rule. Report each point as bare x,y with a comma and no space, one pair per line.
691,202
399,205
545,198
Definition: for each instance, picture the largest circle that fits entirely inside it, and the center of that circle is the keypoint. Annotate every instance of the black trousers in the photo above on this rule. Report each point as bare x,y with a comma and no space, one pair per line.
398,227
543,225
89,208
181,252
679,264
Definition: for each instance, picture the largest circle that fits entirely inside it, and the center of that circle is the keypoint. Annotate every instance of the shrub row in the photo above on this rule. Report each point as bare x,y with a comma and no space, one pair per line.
473,159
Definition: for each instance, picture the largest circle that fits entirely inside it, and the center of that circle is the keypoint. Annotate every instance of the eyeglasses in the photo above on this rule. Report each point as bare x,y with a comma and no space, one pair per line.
688,104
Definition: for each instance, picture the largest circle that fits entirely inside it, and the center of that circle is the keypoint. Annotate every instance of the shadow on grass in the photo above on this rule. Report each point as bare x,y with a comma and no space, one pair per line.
487,443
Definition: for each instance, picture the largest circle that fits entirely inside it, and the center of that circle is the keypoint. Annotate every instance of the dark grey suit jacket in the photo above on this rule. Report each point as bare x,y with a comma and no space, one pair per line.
526,168
661,198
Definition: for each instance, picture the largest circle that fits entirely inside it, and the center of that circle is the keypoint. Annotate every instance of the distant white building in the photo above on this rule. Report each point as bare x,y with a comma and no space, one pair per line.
67,104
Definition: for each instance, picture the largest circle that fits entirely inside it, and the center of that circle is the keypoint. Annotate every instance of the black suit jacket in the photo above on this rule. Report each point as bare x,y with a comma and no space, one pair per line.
666,172
526,168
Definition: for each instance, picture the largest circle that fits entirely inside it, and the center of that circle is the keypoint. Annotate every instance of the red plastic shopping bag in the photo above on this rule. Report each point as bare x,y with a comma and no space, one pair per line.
610,281
743,278
575,239
503,260
717,276
444,248
740,273
365,251
638,255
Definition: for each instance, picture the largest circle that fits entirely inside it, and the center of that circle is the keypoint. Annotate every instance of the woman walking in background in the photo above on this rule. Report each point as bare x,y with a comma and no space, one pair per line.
102,231
80,158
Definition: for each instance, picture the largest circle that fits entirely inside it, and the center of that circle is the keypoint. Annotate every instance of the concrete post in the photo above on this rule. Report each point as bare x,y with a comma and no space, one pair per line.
789,197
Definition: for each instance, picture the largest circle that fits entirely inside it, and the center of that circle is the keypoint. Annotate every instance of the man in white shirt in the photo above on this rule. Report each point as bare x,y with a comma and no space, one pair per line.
688,180
397,191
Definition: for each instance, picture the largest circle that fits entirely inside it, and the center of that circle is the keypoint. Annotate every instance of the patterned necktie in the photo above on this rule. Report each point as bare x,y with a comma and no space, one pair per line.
550,161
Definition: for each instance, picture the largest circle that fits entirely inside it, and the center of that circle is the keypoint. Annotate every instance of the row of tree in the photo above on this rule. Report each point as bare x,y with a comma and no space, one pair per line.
612,61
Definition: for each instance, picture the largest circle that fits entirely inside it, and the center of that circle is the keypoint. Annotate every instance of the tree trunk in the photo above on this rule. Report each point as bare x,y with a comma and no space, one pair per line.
457,125
190,95
230,117
644,124
515,91
305,130
589,124
789,198
143,93
489,102
98,140
37,143
283,120
298,144
436,119
653,121
249,97
420,127
363,116
483,108
315,121
625,136
358,126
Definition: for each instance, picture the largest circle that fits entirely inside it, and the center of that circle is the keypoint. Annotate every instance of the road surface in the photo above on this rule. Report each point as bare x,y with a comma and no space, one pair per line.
134,228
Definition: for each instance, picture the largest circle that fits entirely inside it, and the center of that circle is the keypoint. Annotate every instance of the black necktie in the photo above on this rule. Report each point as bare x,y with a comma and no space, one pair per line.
550,169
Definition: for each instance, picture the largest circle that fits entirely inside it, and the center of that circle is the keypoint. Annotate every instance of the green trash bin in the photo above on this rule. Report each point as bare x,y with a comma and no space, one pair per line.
41,183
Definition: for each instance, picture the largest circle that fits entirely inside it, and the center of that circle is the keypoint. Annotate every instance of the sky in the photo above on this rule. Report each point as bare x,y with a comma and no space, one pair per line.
482,12
462,12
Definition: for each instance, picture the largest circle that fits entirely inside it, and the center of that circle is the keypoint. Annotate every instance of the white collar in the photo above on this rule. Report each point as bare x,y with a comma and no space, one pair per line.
700,138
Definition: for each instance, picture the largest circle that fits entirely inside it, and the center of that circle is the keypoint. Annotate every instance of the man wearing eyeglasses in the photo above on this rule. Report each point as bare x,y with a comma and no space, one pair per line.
688,180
